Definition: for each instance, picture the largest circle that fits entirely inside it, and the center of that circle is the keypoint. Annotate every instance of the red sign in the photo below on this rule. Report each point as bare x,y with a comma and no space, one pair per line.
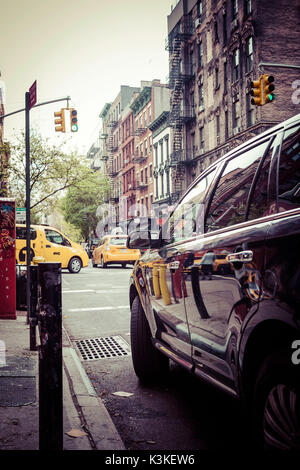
7,260
32,95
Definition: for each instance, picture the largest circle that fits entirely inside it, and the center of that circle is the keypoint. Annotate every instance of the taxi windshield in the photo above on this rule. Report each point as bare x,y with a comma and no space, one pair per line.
118,241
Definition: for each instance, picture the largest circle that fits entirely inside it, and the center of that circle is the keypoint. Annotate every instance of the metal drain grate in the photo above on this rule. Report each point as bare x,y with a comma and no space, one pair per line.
103,348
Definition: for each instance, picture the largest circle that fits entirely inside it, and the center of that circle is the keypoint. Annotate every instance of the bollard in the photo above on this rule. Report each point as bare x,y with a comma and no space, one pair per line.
50,357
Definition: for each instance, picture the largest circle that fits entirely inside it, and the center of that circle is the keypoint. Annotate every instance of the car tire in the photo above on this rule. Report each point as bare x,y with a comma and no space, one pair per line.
277,404
103,265
150,365
95,265
75,265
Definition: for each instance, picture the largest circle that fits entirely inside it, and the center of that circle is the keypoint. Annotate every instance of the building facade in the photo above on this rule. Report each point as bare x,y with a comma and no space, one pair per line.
4,150
161,159
216,48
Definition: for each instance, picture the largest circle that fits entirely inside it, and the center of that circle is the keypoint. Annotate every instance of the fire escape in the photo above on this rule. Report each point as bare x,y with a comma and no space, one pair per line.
180,113
110,164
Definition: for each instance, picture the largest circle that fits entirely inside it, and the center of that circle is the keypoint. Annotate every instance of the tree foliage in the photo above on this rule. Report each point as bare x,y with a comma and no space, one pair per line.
52,170
79,206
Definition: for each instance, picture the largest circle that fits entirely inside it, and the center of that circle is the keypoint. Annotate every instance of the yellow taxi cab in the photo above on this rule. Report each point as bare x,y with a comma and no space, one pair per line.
112,250
50,245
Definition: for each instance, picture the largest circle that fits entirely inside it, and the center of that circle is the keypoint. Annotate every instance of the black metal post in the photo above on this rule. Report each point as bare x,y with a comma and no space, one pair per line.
50,357
33,309
27,149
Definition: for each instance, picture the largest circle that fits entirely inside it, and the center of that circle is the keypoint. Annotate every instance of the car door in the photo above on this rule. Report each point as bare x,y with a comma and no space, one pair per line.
163,269
282,280
221,294
56,247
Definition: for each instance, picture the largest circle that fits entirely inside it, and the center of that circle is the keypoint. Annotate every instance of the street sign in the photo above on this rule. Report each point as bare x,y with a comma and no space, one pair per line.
32,95
20,214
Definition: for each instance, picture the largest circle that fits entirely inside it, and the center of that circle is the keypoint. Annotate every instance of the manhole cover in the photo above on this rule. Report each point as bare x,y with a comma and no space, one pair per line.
103,348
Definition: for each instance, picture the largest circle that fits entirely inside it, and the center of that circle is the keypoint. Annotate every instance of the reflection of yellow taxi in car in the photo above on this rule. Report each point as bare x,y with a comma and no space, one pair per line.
112,250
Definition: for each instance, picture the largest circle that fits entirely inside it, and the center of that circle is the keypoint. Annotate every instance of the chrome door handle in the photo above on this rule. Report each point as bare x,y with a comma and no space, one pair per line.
240,257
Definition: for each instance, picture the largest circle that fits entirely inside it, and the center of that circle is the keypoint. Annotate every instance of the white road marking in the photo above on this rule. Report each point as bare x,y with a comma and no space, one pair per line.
90,309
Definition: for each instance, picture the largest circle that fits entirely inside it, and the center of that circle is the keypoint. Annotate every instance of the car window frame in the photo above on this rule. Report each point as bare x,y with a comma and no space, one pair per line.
277,169
214,167
225,162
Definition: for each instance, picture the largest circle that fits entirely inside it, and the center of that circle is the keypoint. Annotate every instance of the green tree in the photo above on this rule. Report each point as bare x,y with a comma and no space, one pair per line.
52,170
80,204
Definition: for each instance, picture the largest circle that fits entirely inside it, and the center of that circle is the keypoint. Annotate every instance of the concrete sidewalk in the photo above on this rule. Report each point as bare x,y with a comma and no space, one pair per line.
19,400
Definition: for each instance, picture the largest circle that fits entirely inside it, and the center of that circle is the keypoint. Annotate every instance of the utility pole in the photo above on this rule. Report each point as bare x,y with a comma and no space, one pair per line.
27,159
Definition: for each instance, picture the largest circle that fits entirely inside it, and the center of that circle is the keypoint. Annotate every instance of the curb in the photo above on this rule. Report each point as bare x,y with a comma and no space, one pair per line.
95,418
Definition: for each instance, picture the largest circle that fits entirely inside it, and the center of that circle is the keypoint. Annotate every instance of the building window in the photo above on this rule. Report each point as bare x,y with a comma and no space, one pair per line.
156,187
236,115
250,111
224,28
201,97
235,65
216,31
248,7
161,152
156,155
168,182
200,54
200,8
146,175
201,130
225,77
217,78
249,54
167,147
226,125
162,184
218,125
150,172
142,176
192,63
235,9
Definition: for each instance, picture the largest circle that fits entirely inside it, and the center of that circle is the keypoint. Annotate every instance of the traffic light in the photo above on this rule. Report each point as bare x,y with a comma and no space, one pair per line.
60,125
268,88
73,120
257,92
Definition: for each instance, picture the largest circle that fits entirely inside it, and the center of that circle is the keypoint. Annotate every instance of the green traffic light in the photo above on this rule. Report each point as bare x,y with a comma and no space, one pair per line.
74,128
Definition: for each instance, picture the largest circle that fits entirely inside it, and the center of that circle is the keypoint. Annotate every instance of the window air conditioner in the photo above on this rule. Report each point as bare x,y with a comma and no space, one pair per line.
236,130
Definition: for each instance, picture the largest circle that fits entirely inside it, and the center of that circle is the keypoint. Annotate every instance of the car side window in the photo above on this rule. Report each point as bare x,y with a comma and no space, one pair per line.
260,203
228,205
288,170
54,237
21,233
188,217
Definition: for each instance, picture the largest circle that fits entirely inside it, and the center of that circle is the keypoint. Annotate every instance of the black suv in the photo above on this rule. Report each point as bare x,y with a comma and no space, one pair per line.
219,289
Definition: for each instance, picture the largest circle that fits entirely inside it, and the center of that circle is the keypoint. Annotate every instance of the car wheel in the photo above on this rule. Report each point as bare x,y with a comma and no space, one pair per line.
277,404
75,265
149,363
95,265
103,265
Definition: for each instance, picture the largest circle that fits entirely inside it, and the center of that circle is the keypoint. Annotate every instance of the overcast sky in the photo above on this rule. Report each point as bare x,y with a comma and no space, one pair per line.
85,49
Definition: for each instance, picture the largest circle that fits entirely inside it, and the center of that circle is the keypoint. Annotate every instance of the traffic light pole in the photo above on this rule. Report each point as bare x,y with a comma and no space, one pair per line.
270,64
27,158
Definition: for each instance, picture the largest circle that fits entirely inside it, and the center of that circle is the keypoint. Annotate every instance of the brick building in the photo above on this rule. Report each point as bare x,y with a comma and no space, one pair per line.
4,150
215,48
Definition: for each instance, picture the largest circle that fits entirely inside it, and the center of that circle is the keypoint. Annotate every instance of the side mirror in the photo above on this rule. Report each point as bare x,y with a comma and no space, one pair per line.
139,239
143,239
